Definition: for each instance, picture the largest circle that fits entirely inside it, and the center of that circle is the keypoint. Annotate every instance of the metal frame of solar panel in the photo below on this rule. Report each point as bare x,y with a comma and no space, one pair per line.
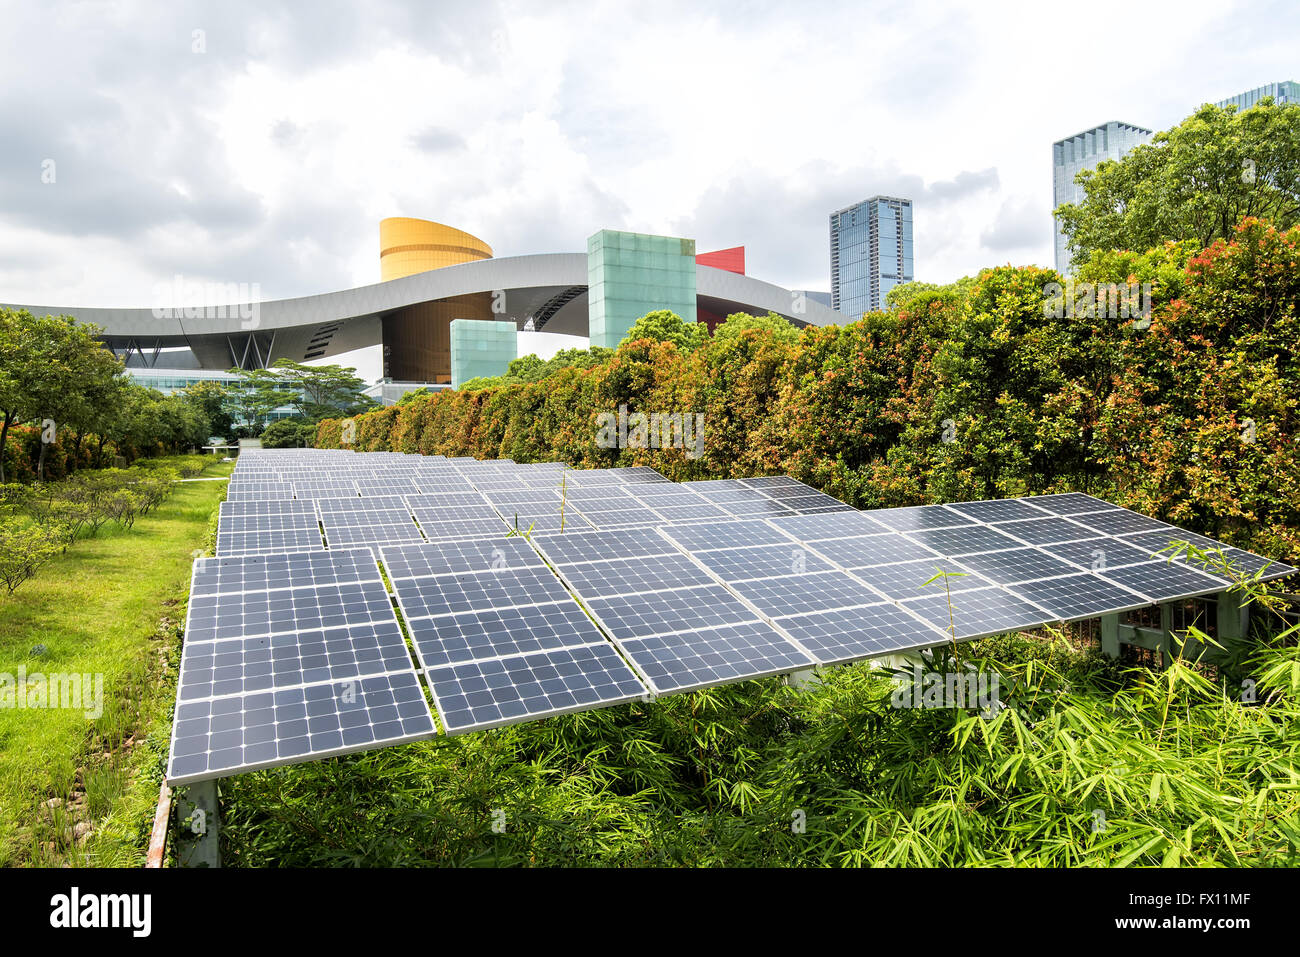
331,677
675,622
499,639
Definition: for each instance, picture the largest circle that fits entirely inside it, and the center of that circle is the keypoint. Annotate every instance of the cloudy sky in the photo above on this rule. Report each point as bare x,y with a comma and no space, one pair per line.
261,142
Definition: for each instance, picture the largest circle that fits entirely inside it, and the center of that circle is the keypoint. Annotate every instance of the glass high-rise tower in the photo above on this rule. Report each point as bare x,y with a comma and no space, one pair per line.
1072,155
871,253
1285,91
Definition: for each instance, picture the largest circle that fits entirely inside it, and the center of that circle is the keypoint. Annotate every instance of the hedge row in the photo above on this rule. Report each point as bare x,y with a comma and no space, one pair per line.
978,390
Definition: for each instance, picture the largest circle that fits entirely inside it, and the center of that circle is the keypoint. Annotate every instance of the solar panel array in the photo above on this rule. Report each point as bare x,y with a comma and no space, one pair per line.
627,586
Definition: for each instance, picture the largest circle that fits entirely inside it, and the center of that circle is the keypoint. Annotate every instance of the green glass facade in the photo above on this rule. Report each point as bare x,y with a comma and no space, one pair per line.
630,274
481,347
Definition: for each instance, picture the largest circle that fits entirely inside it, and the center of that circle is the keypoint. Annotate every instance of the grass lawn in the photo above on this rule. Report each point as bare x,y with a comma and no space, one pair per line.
79,790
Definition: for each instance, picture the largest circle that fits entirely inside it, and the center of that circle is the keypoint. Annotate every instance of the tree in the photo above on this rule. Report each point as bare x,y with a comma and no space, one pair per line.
212,399
1195,182
321,391
665,326
739,322
50,368
259,393
289,434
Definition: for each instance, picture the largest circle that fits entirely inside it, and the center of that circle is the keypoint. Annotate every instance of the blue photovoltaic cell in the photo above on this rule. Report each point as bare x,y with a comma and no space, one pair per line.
627,575
871,550
712,535
500,632
815,528
1045,531
601,546
1121,521
1015,565
909,579
1078,596
760,561
987,611
687,609
799,594
477,555
834,637
477,591
219,736
215,669
966,540
920,516
485,694
703,658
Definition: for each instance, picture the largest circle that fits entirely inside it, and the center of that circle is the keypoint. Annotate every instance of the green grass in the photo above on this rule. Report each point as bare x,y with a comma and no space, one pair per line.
112,605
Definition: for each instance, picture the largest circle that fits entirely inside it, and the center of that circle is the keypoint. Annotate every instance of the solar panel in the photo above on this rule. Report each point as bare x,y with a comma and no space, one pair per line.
815,528
489,693
760,508
914,579
1068,503
685,661
238,733
268,541
500,638
1239,560
713,535
799,594
997,510
965,540
1164,580
815,504
836,637
760,561
630,516
291,506
867,551
1045,531
290,658
592,546
1120,521
1078,596
1015,565
629,575
1097,553
976,613
920,516
418,561
259,495
351,505
324,489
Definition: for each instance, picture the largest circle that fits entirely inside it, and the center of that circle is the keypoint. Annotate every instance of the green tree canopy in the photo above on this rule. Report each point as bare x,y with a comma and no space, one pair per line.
663,325
1194,182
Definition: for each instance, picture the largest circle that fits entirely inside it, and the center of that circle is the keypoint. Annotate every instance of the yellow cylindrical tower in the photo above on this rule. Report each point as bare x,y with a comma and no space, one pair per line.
408,246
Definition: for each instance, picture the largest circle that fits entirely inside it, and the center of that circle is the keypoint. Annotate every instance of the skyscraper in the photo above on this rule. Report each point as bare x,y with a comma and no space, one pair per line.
871,253
1084,151
1285,91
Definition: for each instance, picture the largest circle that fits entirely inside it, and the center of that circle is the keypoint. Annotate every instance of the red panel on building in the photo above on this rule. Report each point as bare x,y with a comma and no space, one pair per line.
732,260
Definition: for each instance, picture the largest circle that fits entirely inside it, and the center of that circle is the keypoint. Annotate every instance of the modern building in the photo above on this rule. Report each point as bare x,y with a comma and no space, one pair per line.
481,347
390,392
433,275
1072,155
1283,91
170,381
871,253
